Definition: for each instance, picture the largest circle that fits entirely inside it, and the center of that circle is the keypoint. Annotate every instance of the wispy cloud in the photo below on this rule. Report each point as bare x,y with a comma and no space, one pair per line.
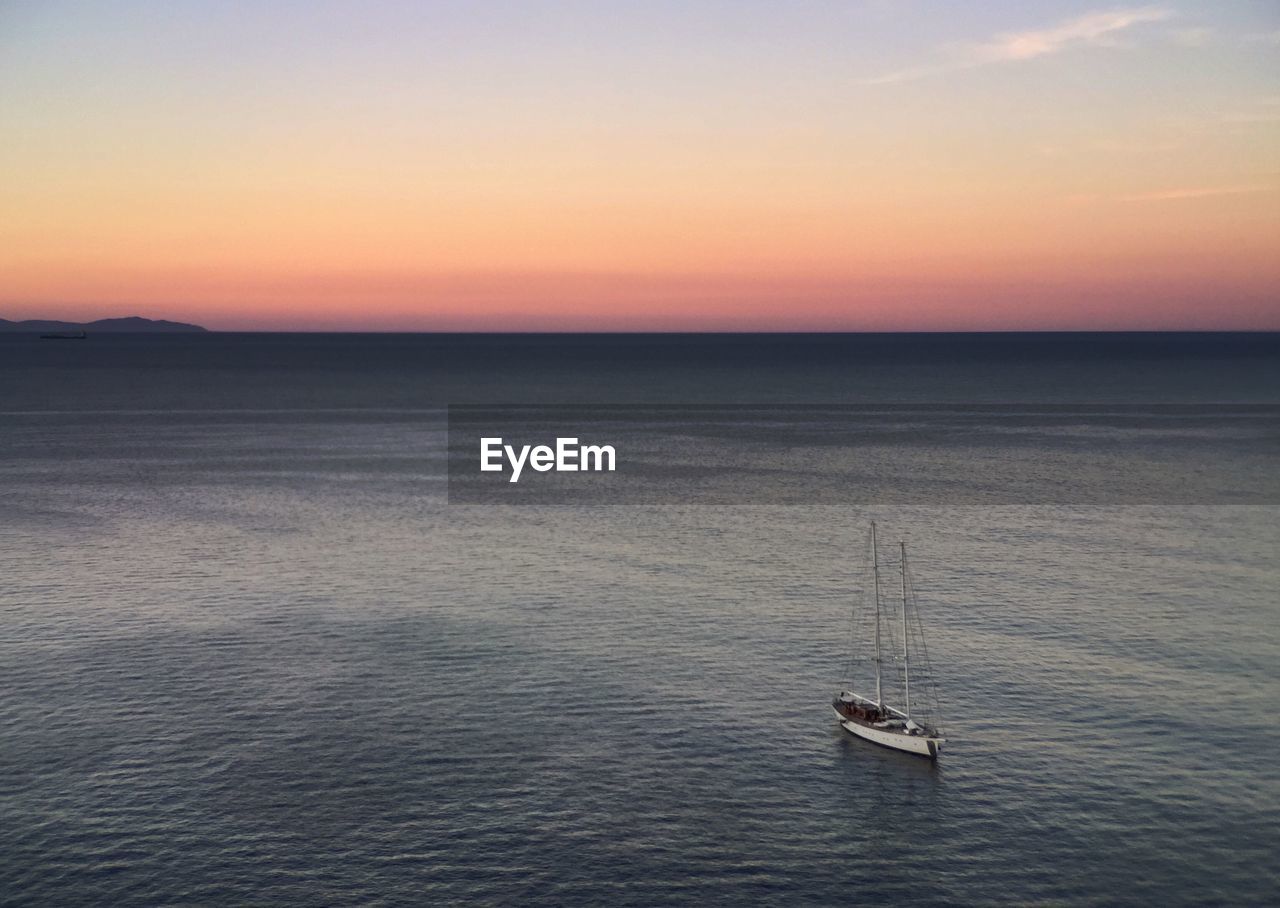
1164,195
1097,29
1272,38
1251,116
1140,147
1191,37
1261,110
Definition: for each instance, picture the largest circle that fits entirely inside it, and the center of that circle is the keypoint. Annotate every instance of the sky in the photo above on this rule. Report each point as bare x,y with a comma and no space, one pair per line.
688,165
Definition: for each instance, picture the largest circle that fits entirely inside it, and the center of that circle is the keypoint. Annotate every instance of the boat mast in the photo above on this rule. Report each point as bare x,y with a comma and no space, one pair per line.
875,570
906,674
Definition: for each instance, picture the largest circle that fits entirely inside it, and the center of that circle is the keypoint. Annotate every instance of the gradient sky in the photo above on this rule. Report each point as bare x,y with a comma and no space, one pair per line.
723,165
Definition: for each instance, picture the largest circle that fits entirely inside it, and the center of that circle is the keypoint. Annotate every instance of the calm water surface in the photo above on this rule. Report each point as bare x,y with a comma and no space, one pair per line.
261,659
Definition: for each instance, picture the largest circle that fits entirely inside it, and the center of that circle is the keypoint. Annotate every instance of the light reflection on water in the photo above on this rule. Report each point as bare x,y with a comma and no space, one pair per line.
313,683
254,657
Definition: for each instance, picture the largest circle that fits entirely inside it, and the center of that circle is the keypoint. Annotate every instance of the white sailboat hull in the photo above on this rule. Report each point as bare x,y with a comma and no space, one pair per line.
924,745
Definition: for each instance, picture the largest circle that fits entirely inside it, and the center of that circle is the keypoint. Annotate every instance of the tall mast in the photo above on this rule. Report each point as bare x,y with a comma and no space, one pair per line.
906,674
875,570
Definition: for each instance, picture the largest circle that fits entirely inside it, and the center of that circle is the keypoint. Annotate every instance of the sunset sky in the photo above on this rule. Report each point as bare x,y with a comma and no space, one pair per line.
690,165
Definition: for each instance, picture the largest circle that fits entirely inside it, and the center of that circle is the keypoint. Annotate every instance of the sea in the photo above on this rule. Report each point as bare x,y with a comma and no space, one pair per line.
256,649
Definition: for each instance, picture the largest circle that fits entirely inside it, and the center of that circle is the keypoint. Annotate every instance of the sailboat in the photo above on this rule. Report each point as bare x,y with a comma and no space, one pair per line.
905,729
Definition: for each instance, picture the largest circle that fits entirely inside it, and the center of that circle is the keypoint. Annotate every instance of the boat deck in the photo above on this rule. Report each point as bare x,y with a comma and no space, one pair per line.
882,718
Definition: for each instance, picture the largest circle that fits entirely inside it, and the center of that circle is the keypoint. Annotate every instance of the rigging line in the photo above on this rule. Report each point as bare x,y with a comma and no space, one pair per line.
931,685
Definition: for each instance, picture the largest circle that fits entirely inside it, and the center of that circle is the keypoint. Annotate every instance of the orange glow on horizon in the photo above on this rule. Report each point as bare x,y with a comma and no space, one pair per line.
658,186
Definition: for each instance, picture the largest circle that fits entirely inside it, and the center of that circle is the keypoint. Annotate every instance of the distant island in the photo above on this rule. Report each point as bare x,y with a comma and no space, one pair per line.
117,325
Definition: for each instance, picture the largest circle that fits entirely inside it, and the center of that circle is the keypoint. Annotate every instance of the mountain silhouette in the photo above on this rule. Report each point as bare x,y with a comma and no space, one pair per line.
129,324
